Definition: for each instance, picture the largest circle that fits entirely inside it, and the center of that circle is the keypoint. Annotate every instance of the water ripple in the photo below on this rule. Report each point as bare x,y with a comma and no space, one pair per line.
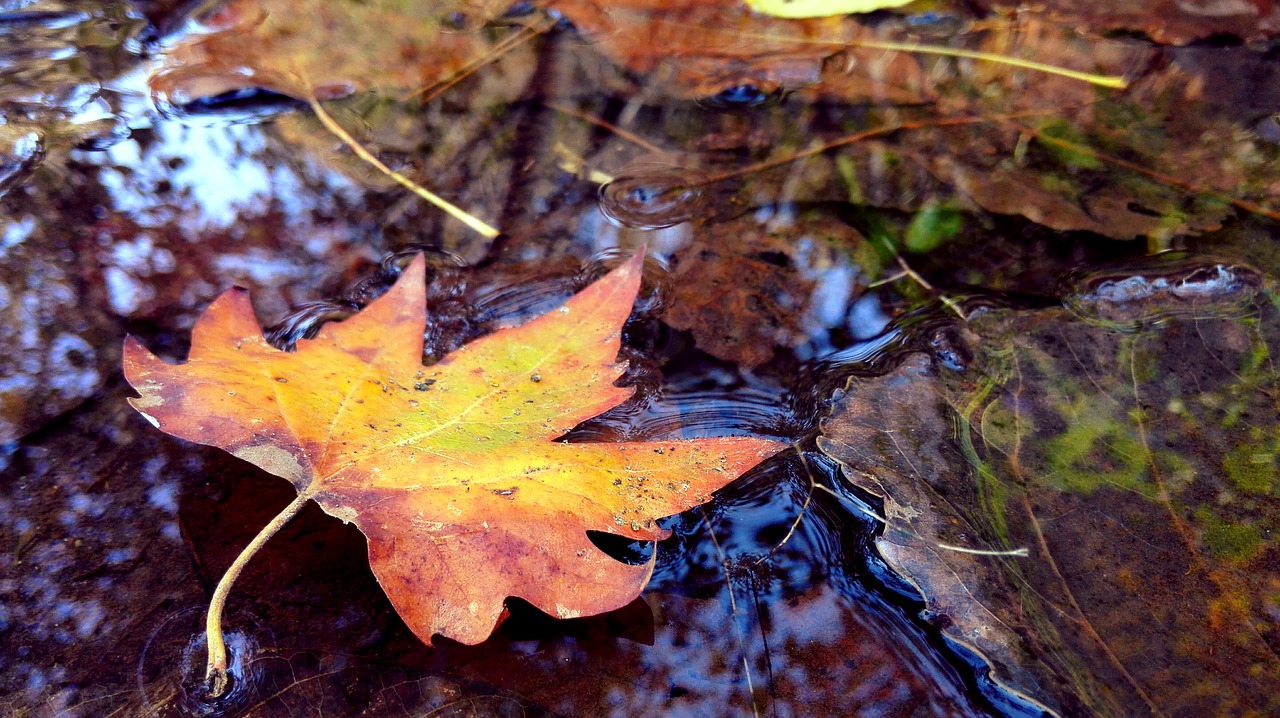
652,196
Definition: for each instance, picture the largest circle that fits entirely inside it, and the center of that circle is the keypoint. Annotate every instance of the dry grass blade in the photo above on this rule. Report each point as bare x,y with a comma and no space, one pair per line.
1111,81
449,208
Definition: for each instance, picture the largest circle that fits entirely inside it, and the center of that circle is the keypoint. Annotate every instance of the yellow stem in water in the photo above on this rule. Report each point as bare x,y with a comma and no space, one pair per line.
215,674
1102,80
1112,81
449,208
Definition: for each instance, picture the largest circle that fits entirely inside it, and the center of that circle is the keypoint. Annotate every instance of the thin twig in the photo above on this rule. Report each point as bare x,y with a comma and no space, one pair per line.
733,609
914,276
1020,552
1112,81
804,508
868,134
449,208
504,46
624,134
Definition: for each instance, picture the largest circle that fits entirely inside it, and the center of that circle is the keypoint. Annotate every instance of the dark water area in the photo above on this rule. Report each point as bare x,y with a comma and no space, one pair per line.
1018,328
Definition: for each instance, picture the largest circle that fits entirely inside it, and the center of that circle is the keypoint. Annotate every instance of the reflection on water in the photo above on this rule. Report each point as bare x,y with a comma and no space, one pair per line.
153,154
1154,292
22,151
62,65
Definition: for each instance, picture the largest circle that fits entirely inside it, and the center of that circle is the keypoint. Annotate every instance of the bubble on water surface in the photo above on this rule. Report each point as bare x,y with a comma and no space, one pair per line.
449,314
744,96
434,257
305,321
933,330
1156,290
652,196
441,283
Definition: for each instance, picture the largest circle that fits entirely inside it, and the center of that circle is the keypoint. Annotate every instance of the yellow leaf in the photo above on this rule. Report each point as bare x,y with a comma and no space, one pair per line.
820,8
453,471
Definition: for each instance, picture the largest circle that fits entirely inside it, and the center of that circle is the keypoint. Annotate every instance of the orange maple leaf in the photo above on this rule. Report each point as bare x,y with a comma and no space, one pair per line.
452,471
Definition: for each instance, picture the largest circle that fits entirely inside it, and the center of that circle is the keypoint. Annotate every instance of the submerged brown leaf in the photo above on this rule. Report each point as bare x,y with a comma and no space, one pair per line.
746,288
295,47
1131,452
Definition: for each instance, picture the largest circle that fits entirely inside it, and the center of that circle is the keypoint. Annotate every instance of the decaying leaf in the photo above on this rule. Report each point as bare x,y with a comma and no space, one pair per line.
744,288
704,48
452,471
296,47
1173,22
1128,445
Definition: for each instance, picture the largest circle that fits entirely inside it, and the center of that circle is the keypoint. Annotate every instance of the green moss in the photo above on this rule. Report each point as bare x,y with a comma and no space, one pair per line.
993,492
1258,359
1001,428
1226,540
1253,469
1096,449
1142,358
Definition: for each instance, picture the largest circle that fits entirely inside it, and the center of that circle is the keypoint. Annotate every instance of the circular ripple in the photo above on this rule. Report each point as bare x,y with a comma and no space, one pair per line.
652,196
172,666
656,284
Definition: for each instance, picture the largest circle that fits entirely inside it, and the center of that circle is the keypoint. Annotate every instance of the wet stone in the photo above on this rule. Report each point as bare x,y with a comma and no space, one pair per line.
74,505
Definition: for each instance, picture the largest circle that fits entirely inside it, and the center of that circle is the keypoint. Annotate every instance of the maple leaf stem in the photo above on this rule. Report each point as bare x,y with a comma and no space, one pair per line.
215,675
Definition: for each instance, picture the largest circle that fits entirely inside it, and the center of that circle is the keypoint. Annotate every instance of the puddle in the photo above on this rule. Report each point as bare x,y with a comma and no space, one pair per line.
833,225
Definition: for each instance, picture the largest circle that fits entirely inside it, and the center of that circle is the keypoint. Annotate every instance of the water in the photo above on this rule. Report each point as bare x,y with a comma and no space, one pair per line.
154,154
652,196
